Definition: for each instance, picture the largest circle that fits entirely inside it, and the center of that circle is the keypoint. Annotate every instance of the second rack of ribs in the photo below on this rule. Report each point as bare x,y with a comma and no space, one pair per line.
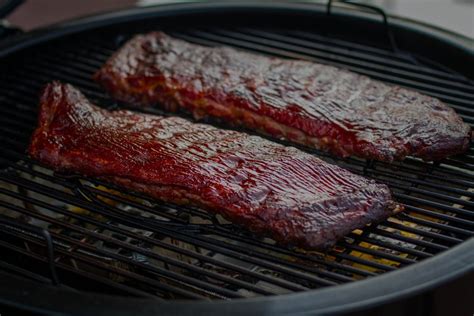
318,105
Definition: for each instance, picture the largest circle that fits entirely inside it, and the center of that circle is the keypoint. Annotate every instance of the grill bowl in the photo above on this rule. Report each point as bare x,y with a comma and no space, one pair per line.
425,247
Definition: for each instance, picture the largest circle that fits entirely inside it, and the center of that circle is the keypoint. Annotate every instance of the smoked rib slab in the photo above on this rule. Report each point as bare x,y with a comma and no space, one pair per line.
273,190
317,105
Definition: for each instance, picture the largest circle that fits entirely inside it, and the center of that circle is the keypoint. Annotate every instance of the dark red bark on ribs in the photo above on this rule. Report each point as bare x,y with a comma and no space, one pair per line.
317,105
271,189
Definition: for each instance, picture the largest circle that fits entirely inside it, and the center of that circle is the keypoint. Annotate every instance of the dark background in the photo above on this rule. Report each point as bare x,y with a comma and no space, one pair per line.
454,15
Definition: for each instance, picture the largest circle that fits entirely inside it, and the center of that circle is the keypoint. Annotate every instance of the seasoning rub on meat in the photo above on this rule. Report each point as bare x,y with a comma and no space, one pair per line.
273,190
317,105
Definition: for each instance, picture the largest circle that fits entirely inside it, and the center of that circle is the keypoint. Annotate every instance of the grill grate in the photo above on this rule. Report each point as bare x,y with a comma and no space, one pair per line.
125,243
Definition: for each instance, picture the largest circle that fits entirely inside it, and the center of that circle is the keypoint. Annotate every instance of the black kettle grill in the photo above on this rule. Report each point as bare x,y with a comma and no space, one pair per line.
80,246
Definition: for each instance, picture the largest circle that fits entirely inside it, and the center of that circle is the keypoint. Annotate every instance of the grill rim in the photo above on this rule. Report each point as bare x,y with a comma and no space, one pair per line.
438,35
371,292
441,268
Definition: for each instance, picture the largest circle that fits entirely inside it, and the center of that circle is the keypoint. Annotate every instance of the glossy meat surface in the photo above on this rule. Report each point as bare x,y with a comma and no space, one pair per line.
317,105
274,190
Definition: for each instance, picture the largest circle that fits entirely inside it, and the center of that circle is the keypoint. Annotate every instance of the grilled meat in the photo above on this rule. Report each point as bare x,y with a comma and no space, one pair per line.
271,189
313,104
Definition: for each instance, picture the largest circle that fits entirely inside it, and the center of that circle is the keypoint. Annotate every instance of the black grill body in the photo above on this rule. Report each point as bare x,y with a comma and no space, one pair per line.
63,237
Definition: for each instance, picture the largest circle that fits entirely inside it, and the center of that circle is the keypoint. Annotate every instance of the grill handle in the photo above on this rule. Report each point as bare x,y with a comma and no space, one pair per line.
376,9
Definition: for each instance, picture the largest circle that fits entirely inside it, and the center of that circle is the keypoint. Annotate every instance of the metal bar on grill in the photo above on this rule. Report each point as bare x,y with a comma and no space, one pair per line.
8,223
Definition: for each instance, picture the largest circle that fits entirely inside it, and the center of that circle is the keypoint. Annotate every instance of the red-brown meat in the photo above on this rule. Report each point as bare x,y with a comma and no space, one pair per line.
271,189
317,105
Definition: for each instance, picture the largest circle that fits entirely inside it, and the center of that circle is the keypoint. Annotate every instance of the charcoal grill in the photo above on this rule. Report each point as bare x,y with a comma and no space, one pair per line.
76,245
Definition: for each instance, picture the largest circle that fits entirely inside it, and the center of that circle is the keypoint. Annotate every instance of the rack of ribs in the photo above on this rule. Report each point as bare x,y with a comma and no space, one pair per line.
270,189
317,105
